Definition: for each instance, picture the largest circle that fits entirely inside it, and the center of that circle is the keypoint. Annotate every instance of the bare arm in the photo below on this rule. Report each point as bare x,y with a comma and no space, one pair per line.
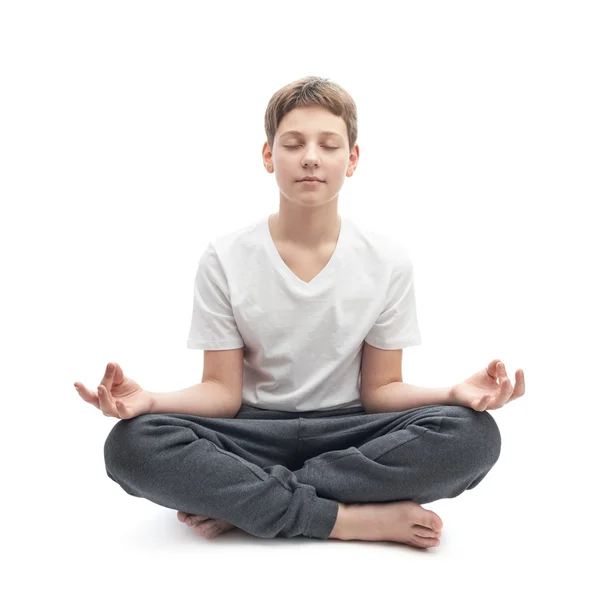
398,396
206,399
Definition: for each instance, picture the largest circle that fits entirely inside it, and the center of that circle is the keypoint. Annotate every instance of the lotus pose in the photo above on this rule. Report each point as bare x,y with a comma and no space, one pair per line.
302,424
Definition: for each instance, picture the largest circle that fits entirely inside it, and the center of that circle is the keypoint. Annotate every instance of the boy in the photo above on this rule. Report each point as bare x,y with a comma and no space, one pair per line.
302,424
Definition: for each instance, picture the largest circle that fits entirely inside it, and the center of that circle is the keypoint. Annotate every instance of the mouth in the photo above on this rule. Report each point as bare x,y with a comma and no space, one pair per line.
310,181
310,178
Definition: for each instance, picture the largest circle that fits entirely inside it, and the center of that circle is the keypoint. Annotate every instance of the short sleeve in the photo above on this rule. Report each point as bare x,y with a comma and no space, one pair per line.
213,325
397,325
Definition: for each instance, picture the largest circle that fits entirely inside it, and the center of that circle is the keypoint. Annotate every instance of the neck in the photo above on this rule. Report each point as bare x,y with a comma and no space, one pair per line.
309,230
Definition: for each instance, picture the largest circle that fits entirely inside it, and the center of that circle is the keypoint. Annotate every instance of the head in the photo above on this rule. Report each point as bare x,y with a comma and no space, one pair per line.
311,106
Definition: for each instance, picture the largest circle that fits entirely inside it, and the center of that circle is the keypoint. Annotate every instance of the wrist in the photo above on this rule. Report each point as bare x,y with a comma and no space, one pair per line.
451,397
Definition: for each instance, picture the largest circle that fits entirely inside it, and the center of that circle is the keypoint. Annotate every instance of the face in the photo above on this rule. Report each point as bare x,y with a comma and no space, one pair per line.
310,153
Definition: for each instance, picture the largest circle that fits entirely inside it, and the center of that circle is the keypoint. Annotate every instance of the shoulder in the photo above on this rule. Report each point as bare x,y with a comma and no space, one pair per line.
238,238
382,246
231,248
367,243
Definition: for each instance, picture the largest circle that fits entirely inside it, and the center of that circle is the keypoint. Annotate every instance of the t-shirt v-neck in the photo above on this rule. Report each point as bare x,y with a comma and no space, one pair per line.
318,280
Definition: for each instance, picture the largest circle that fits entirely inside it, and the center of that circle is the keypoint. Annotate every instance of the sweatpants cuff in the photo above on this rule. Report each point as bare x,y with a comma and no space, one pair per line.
323,515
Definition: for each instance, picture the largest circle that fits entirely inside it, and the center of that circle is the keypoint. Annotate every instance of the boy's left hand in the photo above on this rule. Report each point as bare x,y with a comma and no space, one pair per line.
482,392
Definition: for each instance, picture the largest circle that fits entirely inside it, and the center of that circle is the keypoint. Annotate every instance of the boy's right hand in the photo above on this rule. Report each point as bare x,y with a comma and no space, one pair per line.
117,396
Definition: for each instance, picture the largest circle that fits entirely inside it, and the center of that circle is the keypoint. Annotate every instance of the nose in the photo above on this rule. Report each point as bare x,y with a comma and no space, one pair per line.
310,158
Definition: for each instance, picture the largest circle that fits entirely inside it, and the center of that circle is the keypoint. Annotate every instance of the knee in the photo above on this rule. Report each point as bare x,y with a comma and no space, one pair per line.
476,433
125,443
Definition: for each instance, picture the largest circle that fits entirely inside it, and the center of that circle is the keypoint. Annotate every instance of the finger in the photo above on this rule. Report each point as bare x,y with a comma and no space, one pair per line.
107,380
106,405
118,407
506,387
484,402
481,403
492,368
500,370
519,385
87,395
117,374
123,411
476,404
502,396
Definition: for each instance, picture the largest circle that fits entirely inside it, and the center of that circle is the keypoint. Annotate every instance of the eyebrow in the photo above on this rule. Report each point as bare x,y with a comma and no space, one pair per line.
293,131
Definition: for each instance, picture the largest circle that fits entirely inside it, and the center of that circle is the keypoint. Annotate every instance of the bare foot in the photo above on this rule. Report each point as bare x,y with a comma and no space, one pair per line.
204,526
403,522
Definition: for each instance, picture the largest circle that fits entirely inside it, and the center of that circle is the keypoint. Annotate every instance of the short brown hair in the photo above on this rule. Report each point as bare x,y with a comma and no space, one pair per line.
311,91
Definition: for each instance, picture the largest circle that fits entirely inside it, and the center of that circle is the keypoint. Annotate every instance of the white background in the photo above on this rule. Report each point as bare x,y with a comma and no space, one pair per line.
131,134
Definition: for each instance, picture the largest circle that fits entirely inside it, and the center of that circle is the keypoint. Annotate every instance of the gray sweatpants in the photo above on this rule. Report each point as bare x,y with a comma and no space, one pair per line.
282,474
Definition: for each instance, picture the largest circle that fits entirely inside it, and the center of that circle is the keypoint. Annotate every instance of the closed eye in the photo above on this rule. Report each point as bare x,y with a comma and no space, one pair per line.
327,147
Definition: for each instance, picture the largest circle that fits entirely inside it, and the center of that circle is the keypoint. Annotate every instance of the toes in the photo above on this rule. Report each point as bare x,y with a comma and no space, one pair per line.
425,532
435,523
193,520
425,542
204,530
208,530
430,520
181,516
425,518
190,519
212,528
186,517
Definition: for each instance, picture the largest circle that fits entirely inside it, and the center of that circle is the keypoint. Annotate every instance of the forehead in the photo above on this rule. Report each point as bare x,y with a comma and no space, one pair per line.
311,120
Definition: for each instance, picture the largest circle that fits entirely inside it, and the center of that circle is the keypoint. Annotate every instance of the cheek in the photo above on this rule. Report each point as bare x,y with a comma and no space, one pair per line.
282,169
281,164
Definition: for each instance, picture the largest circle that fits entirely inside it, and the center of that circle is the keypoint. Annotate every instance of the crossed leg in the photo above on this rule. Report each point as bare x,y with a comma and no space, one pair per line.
458,456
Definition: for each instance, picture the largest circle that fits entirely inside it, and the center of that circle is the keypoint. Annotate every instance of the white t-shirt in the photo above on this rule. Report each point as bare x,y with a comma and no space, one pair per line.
303,341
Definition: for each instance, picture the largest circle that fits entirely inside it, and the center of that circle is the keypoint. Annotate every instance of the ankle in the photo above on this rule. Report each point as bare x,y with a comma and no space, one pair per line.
341,527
